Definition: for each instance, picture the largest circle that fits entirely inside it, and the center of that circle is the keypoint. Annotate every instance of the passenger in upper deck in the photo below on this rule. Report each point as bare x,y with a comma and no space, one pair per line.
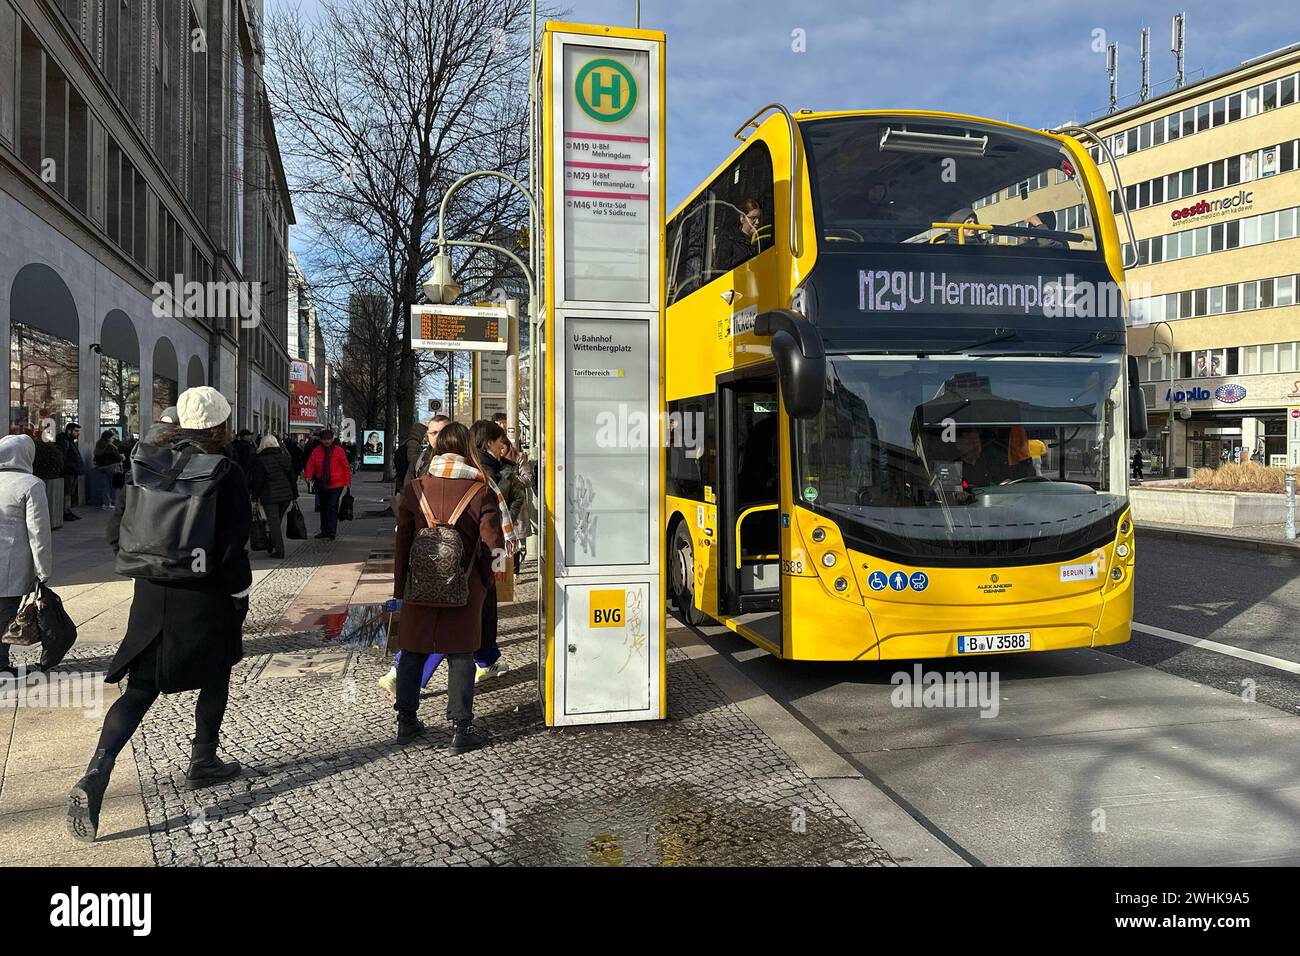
972,237
1043,220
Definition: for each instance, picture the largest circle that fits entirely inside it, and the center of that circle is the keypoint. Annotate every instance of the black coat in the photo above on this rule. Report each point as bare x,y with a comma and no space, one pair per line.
505,475
72,462
273,481
297,456
199,623
243,454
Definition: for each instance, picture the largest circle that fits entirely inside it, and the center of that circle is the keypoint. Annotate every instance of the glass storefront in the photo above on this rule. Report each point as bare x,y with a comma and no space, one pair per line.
1212,442
119,397
165,394
43,378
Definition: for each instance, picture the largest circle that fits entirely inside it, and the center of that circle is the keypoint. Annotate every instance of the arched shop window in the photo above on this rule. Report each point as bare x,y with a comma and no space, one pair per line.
44,357
119,376
166,377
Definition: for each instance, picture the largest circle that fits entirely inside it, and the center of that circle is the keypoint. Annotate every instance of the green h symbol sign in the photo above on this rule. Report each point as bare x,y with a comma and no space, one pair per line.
606,90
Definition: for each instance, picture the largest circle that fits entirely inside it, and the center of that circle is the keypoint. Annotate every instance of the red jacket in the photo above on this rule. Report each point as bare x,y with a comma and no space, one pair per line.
340,470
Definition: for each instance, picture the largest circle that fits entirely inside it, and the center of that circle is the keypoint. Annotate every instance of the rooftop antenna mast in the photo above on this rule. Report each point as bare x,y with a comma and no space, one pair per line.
1177,46
1145,48
1112,67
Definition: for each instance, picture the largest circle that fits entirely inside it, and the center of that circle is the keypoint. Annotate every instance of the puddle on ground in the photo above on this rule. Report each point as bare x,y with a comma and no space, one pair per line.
363,626
682,827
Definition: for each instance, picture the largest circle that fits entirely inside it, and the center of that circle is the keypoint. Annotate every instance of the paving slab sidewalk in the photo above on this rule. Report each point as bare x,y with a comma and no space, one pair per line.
730,779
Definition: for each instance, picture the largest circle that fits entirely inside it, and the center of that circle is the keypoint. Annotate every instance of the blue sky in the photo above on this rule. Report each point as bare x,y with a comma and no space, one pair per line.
1028,62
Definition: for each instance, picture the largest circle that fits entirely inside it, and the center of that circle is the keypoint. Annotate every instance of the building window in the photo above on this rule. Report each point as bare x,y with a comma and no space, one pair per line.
119,396
43,378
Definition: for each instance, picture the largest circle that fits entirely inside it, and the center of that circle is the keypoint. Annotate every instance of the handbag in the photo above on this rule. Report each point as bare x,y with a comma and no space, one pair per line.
505,582
345,506
24,630
259,538
296,525
58,631
119,479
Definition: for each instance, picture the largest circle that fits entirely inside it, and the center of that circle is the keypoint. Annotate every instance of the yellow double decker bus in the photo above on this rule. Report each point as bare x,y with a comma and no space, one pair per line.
898,399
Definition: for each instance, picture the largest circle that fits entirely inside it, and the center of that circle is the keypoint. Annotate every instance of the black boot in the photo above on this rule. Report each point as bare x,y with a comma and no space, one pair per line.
408,726
466,738
206,768
88,796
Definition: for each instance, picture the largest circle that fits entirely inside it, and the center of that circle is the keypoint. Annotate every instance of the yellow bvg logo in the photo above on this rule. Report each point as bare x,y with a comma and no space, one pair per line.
606,90
608,608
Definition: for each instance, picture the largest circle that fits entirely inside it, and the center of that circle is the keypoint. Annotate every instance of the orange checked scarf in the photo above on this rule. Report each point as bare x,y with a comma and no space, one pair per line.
454,466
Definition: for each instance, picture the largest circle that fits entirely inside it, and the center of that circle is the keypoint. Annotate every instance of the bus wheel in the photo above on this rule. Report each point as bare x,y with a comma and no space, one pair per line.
681,576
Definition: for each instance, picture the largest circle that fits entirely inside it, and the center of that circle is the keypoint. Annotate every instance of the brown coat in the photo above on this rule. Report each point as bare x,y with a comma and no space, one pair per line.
446,630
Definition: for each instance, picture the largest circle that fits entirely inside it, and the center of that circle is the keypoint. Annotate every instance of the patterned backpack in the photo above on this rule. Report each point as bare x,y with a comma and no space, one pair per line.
438,571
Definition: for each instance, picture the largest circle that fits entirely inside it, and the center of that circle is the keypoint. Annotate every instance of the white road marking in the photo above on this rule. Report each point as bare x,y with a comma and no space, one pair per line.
1253,656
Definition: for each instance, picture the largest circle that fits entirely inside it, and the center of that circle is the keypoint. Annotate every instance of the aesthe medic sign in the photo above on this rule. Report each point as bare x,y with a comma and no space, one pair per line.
1219,208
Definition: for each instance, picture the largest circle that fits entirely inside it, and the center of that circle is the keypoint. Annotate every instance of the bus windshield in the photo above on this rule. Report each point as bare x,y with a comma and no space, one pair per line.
893,180
957,457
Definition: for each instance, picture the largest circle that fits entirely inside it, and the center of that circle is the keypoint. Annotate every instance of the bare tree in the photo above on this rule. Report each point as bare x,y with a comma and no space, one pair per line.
380,106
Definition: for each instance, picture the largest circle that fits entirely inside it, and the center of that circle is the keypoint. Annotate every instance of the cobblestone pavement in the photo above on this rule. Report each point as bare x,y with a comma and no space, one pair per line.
326,783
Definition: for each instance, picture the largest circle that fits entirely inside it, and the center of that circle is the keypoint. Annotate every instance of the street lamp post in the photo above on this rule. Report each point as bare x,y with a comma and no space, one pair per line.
442,280
1155,352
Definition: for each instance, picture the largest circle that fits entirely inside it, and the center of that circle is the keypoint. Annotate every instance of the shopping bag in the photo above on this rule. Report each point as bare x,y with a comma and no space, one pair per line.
259,538
345,507
58,632
506,583
296,526
24,629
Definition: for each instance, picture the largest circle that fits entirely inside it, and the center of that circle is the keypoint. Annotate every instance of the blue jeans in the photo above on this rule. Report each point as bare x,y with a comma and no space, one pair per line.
329,510
487,654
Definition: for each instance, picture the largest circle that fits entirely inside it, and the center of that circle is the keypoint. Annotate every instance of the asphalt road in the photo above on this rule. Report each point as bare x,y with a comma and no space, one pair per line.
1155,752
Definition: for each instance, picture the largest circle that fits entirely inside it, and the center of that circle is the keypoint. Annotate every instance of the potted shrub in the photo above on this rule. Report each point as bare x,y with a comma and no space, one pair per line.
48,466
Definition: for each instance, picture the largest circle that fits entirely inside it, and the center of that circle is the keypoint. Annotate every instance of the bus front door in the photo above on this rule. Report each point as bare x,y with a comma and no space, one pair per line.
748,505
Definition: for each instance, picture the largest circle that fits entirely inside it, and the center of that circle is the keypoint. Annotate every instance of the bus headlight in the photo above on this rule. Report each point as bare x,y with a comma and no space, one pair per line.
1124,526
841,584
1122,550
1116,574
828,559
819,535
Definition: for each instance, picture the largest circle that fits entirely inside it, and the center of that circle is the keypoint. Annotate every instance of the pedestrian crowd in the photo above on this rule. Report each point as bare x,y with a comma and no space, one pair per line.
187,498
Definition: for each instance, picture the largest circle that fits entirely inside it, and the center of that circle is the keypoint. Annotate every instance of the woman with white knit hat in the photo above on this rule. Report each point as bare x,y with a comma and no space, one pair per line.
183,634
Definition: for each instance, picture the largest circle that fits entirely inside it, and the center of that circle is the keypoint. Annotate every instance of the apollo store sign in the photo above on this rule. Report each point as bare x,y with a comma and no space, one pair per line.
1229,393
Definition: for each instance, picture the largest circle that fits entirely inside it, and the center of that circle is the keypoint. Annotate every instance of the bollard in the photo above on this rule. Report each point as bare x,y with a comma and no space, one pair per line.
1290,505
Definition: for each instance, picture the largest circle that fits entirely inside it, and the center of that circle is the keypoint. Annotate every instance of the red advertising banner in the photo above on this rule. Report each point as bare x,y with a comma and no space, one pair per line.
303,393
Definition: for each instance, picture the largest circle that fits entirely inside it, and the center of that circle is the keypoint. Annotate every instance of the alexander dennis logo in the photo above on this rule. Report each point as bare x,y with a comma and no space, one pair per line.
1230,393
606,90
1223,206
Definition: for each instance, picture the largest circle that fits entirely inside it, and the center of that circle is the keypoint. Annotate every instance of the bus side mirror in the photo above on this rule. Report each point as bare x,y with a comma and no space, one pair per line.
1137,402
800,360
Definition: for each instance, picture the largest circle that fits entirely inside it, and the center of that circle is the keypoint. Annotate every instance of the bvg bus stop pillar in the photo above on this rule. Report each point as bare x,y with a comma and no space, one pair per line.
603,656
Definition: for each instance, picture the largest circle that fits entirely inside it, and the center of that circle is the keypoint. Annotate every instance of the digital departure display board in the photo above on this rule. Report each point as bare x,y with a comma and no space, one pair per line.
459,327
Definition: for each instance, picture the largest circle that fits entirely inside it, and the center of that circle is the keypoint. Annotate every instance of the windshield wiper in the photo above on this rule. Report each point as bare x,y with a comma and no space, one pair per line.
999,335
1100,338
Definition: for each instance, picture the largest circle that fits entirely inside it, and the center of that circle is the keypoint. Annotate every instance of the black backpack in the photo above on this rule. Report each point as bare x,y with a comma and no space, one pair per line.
168,531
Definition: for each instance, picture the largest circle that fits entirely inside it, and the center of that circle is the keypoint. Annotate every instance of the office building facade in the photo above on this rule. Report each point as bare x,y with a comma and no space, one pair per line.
1211,175
145,213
